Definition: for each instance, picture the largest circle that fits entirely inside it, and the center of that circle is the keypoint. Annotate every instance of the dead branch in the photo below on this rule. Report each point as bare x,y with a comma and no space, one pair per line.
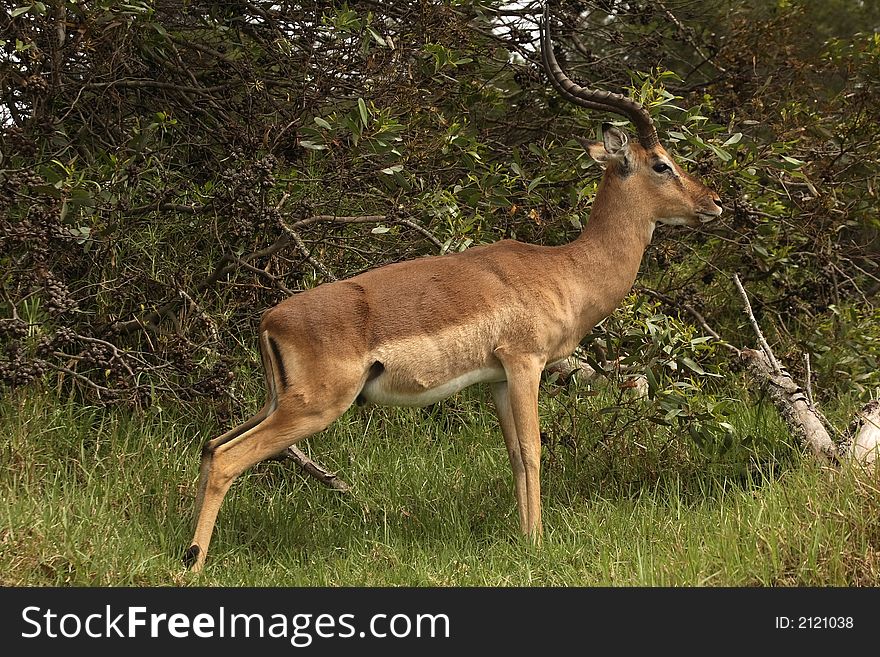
790,400
761,339
865,445
314,469
801,412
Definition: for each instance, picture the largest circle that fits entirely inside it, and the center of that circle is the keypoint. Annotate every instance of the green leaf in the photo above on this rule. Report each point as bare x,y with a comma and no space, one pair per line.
377,37
537,181
691,365
18,11
362,108
321,122
653,386
379,230
734,139
391,170
721,153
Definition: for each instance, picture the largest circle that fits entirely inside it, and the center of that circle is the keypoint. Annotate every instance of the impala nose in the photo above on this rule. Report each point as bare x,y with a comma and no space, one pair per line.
717,201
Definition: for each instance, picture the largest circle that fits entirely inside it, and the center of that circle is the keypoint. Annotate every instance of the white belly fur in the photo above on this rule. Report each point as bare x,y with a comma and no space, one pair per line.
380,390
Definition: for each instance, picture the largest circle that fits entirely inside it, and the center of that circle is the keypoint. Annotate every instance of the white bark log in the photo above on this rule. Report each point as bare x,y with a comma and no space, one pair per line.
866,443
791,401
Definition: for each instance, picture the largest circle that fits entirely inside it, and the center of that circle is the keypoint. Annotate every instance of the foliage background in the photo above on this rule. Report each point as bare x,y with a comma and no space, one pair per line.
169,170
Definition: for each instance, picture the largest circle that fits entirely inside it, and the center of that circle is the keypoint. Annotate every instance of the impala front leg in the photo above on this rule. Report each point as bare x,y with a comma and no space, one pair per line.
523,373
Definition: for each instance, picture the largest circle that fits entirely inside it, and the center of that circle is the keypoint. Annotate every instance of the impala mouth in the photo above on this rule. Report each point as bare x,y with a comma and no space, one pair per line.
706,217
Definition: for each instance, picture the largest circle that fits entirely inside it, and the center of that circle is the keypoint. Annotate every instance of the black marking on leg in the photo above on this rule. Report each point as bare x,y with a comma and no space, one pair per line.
279,362
375,370
190,556
360,400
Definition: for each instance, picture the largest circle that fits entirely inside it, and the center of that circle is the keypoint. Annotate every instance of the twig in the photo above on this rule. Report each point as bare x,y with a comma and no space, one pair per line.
166,207
141,84
301,246
314,469
262,272
809,386
330,218
424,231
98,388
116,353
201,312
761,339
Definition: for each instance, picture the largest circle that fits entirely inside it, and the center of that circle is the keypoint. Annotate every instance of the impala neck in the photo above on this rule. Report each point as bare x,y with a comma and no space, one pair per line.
609,250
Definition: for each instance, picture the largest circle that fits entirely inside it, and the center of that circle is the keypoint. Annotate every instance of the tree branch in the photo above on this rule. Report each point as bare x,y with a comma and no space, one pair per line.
314,469
761,339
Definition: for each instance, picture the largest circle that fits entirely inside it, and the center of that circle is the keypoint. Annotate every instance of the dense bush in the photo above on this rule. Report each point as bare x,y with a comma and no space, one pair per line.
168,171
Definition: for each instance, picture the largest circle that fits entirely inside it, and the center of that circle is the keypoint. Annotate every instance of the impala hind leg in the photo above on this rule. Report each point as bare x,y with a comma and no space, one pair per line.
224,461
268,407
205,466
295,414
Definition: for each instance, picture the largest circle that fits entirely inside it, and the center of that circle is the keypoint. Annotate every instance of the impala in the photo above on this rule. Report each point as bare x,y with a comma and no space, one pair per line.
415,332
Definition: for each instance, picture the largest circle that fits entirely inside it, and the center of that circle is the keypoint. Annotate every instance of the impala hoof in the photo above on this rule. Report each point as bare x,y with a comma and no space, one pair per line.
191,556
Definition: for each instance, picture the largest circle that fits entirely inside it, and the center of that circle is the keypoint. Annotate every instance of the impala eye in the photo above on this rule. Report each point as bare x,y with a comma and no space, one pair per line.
661,167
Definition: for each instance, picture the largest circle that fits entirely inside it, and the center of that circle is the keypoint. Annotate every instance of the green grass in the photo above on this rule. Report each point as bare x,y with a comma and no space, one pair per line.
104,497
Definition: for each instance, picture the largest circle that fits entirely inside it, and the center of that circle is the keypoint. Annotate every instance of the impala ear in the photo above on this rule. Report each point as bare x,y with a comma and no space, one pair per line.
614,139
613,146
596,150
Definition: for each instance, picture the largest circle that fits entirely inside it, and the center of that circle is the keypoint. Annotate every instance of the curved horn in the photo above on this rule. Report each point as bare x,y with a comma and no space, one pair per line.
592,98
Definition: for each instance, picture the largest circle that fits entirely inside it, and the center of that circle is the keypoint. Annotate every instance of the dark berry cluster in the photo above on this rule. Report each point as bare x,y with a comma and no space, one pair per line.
97,355
13,182
58,298
217,382
57,341
17,369
19,142
13,329
20,371
247,185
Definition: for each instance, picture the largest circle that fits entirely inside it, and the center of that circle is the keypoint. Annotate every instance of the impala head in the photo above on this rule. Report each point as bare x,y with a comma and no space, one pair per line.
652,178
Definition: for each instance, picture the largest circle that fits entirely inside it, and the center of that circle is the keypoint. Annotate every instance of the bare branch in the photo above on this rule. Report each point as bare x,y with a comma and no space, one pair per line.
761,339
792,403
301,246
809,379
314,469
424,231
